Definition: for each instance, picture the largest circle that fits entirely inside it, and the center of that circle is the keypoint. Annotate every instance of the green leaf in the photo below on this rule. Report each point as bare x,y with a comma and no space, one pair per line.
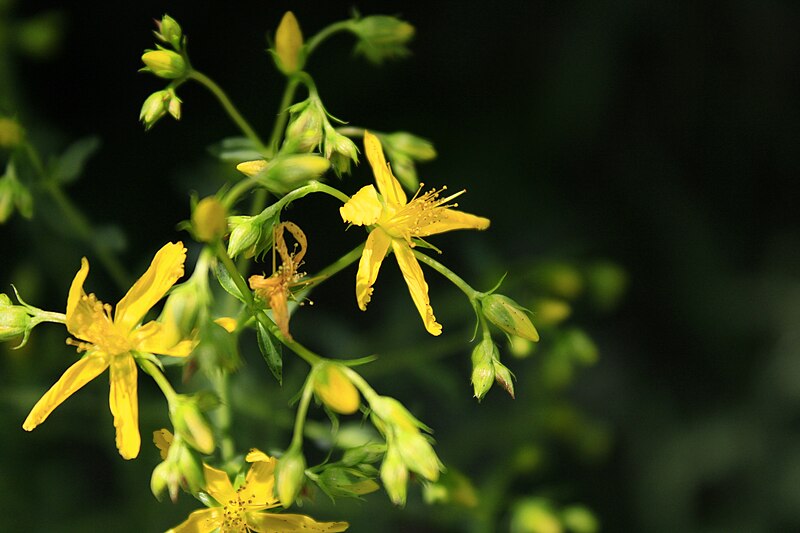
271,350
235,150
226,281
70,165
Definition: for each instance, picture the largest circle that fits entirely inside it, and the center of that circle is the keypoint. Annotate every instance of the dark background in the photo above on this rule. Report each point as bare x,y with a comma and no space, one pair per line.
661,135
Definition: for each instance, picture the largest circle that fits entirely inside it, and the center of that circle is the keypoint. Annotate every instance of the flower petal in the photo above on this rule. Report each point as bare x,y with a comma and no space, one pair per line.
202,521
285,523
164,271
388,185
259,485
124,405
155,337
417,286
80,310
374,251
449,220
76,376
218,485
363,208
162,438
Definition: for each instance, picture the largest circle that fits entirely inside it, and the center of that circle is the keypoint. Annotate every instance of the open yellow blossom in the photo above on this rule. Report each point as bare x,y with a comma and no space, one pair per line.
244,509
112,343
397,222
276,289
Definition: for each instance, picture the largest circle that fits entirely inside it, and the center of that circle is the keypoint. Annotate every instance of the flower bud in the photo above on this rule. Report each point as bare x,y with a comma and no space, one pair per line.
11,133
192,426
180,467
366,453
340,150
342,482
154,107
164,64
482,367
208,220
14,319
394,475
287,173
417,148
394,413
551,311
509,316
418,454
503,377
289,45
304,132
252,168
7,198
382,37
335,389
579,519
251,236
169,31
290,475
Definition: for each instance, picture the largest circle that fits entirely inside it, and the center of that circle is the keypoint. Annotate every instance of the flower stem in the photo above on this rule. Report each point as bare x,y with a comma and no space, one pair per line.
465,287
283,115
302,411
159,378
224,417
233,113
325,33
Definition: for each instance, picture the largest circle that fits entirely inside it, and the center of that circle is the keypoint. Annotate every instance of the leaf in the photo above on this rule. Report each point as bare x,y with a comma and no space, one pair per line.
235,150
271,350
70,165
226,282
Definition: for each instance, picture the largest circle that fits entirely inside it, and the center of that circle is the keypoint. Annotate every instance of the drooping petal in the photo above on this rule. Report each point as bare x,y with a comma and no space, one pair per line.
449,220
363,209
164,271
374,251
417,286
286,523
202,521
76,376
259,484
81,313
124,405
155,337
389,187
218,485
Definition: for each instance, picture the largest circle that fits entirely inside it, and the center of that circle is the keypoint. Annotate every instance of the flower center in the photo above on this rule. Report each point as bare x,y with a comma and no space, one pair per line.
95,326
234,520
420,212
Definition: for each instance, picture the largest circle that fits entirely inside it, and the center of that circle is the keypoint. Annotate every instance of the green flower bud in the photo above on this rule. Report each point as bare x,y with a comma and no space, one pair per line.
335,390
208,220
289,45
154,107
483,357
286,173
169,31
290,475
394,475
340,150
14,319
192,426
182,467
503,377
305,129
337,481
11,133
382,37
418,454
165,64
183,307
509,316
394,414
416,148
7,198
251,236
551,311
367,453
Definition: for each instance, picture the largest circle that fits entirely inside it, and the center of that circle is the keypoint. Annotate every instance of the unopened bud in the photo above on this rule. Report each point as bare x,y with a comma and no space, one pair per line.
482,367
250,236
154,107
11,133
289,45
503,377
208,220
164,64
394,413
289,476
406,143
192,426
509,316
14,319
169,31
382,37
394,475
304,132
551,311
287,173
252,168
366,453
335,389
418,454
340,150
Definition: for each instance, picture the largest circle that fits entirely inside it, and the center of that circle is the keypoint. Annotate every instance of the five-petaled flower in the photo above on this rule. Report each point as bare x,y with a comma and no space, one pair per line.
244,509
397,222
113,343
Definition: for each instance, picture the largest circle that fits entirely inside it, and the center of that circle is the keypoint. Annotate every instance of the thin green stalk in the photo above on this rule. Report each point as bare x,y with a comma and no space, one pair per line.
233,113
224,417
283,115
465,287
325,33
77,221
159,378
302,411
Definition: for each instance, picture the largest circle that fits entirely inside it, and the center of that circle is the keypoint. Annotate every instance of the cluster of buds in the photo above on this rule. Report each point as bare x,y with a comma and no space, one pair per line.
181,466
487,368
13,194
381,37
309,127
404,149
408,448
166,64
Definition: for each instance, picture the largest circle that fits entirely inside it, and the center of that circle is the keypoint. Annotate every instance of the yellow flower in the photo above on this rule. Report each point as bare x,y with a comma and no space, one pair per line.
397,221
276,289
112,343
243,509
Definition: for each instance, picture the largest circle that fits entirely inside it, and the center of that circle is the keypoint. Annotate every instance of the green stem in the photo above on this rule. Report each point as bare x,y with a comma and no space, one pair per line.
48,316
159,378
471,293
302,411
316,40
77,221
224,417
233,113
352,131
283,115
237,190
